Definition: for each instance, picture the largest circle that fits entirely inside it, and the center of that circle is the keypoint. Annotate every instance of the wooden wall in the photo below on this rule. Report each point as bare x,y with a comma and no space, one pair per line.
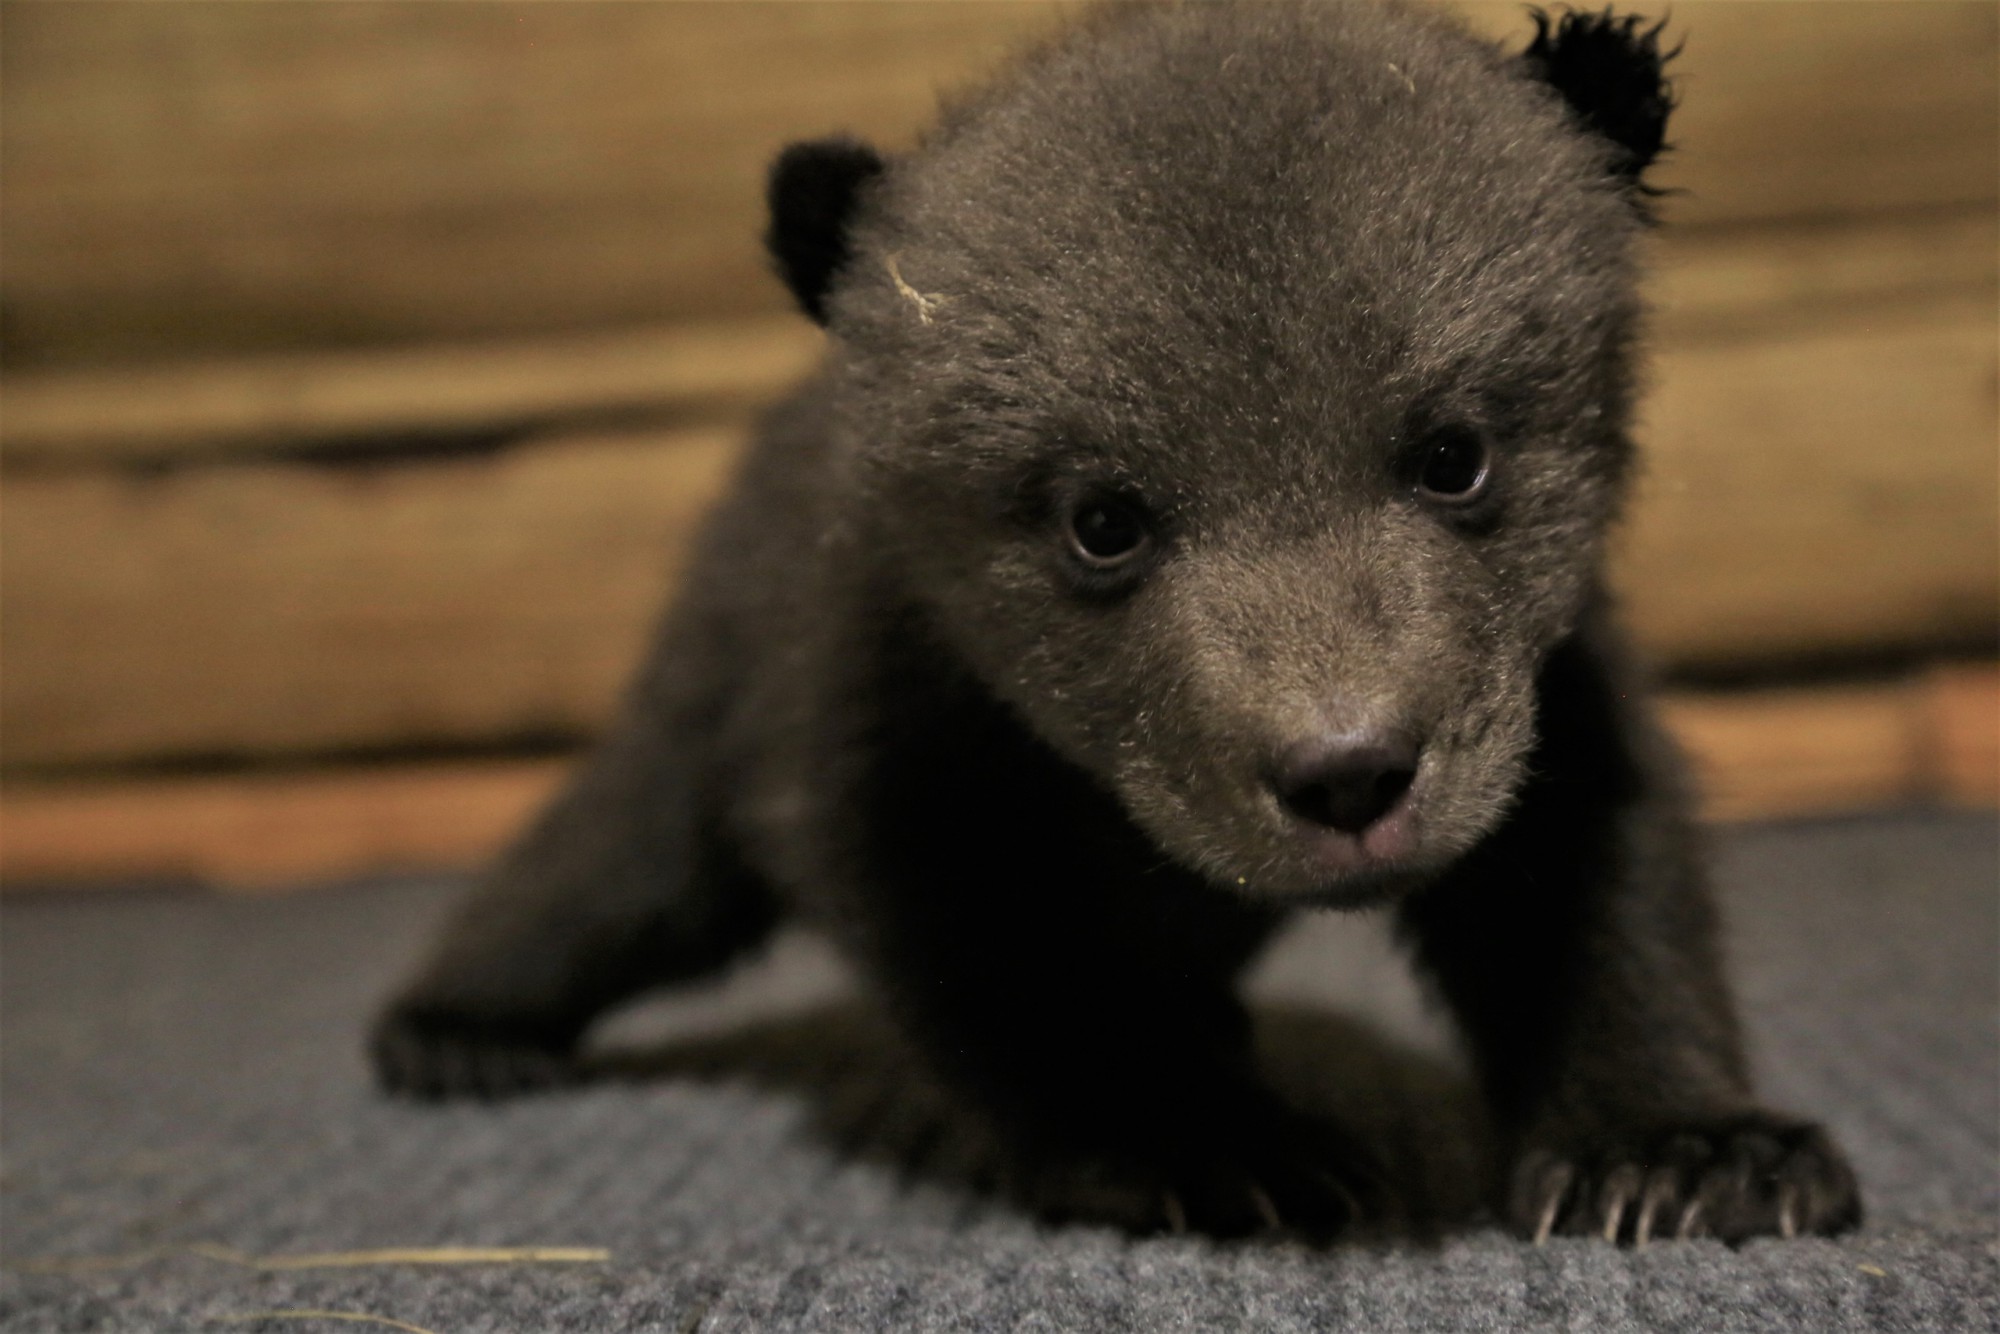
204,176
366,363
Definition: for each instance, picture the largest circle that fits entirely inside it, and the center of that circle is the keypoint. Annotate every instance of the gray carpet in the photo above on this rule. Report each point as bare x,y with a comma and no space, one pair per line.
183,1071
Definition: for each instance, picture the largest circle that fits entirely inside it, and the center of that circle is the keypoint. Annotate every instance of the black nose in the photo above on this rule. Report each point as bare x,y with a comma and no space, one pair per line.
1346,781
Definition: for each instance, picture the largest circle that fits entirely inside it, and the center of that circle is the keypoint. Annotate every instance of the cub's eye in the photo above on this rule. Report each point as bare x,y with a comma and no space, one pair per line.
1106,532
1454,465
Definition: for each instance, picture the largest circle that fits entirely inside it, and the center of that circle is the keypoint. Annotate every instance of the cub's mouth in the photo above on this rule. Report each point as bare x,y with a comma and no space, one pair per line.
1338,825
1350,835
1345,810
1344,820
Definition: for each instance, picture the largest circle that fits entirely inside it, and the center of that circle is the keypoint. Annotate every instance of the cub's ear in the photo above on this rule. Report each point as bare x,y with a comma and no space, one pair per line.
812,192
1611,71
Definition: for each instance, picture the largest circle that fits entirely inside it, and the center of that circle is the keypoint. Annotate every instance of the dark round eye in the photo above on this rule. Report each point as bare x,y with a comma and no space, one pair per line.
1108,531
1454,465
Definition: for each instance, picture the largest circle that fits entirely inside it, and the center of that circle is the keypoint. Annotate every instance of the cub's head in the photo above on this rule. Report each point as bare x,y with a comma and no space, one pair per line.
1242,394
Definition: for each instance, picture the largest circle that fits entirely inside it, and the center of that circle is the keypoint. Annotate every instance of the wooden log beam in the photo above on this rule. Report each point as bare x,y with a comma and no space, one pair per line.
226,407
272,608
1829,491
265,831
1733,285
213,176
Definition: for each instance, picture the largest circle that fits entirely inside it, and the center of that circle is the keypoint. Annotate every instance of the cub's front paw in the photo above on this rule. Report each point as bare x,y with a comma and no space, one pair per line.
1743,1176
429,1054
1276,1171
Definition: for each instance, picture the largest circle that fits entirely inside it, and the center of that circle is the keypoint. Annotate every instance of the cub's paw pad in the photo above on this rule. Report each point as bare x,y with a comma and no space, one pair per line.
1752,1175
431,1056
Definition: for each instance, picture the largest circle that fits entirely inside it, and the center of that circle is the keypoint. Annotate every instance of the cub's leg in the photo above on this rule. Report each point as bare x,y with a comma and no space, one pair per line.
1120,1086
622,884
1577,948
1077,992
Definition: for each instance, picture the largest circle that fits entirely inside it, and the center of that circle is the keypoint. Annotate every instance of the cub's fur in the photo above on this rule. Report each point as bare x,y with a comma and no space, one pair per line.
1198,516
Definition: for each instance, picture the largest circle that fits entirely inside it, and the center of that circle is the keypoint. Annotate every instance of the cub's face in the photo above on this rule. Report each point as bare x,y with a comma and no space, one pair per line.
1256,454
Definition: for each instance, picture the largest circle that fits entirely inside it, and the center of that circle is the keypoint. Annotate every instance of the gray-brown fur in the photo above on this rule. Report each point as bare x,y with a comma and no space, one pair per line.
1231,278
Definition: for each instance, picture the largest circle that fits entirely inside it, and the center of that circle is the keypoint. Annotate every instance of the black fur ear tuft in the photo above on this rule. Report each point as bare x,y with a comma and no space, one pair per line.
812,192
1611,71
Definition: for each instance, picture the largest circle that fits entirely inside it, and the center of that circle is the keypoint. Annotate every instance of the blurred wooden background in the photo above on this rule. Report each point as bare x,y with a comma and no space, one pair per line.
366,364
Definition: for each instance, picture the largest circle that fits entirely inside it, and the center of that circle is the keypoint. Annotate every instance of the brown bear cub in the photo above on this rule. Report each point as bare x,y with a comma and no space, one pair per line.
1198,516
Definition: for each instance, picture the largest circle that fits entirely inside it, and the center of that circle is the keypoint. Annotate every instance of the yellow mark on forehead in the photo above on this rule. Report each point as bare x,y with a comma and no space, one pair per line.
924,303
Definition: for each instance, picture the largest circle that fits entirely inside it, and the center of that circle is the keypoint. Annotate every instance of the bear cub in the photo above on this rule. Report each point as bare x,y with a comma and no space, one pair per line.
1198,516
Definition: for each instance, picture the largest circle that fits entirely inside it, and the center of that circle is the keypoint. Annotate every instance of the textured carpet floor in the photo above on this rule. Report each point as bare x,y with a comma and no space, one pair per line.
181,1072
